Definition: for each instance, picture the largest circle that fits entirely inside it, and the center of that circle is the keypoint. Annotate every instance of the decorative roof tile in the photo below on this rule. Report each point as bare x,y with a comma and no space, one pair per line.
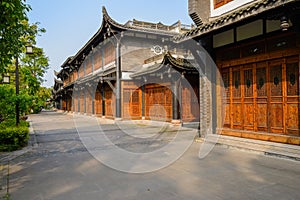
233,17
179,63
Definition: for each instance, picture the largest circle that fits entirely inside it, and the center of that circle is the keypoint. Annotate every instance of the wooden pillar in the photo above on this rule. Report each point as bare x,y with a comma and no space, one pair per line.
93,101
143,101
78,97
118,80
103,99
85,100
175,93
73,101
214,117
67,102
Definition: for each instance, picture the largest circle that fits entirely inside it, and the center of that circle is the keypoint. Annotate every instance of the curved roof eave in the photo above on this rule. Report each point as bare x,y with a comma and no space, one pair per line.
181,64
107,21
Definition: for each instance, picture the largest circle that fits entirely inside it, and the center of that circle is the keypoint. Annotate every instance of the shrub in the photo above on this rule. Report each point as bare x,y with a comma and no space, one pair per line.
12,123
12,137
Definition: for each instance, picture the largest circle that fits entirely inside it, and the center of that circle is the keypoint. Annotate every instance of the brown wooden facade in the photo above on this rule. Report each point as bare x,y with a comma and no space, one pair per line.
256,48
262,92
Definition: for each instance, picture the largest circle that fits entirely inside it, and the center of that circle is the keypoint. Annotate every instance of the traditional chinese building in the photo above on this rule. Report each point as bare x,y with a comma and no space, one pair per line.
142,70
108,76
256,46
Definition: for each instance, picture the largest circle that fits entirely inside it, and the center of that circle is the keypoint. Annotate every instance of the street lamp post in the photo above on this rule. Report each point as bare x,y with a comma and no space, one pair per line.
17,93
29,50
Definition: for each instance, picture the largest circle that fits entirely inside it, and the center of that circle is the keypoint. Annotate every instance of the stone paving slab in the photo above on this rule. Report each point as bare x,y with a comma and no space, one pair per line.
60,167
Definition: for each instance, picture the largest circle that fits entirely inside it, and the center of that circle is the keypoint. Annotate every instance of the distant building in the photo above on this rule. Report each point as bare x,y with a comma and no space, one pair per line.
108,76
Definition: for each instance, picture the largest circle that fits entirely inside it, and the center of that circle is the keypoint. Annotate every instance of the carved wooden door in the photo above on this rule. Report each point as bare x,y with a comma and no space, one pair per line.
276,120
69,103
126,104
109,103
158,103
292,100
190,104
98,103
226,99
135,106
248,97
237,115
261,120
131,103
82,101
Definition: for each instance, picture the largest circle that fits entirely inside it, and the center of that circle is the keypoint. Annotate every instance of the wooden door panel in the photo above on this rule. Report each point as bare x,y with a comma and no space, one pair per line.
276,98
98,103
293,119
237,119
262,120
249,116
109,103
126,103
226,98
292,87
186,104
237,115
158,103
248,98
276,117
227,115
131,103
190,104
135,110
261,112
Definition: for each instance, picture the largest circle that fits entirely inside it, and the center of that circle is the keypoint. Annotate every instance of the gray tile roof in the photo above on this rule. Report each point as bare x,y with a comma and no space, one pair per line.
230,18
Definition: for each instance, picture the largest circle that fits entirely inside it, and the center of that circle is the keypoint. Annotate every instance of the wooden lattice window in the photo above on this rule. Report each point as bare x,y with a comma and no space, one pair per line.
236,84
261,76
276,80
292,78
226,82
248,83
135,97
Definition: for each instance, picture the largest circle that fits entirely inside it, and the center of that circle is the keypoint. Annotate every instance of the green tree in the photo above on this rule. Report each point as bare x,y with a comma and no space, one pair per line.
13,26
15,34
33,69
7,102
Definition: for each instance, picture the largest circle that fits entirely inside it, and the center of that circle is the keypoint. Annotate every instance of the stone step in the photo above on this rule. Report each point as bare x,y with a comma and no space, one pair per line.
264,147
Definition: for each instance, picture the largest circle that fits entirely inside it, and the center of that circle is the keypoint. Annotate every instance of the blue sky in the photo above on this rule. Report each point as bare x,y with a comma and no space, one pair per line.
71,23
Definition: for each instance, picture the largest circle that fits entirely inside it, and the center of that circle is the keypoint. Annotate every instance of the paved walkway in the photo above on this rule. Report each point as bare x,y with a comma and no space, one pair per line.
60,167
